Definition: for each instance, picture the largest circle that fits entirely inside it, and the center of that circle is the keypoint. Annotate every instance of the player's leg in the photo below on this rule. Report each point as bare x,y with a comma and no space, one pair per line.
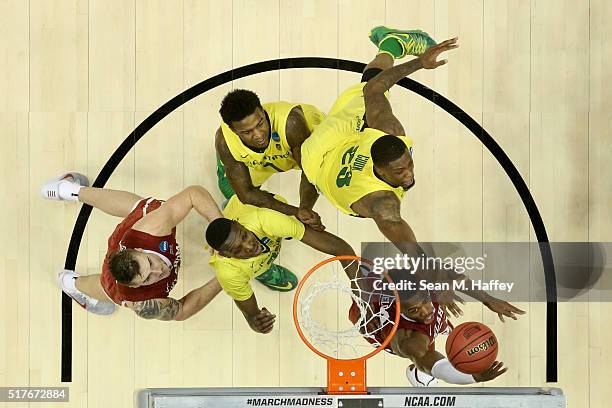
73,186
347,114
86,291
113,202
91,286
224,185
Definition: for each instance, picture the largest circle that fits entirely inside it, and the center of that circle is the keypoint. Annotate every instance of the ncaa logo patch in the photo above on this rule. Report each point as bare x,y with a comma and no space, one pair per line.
275,137
265,240
163,246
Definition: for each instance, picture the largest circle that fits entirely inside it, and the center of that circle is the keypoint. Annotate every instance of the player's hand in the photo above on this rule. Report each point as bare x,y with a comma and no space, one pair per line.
429,57
263,322
492,373
449,301
503,308
310,218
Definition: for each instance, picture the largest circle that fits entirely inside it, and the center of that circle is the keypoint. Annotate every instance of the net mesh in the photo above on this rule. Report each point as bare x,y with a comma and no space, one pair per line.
333,332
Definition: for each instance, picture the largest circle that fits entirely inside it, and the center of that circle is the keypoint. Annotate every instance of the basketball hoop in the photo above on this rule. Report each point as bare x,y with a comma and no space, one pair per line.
344,348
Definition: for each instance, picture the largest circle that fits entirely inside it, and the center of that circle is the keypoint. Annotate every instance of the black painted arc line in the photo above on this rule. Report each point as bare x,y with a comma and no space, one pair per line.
338,64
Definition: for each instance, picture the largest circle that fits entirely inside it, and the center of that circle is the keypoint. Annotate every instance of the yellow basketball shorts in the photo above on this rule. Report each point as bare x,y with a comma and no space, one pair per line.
344,122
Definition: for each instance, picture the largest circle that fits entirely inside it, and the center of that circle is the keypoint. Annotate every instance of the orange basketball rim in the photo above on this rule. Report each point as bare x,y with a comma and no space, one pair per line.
344,376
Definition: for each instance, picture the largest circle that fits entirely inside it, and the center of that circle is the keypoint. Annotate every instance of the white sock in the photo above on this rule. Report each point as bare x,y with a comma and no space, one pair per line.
69,190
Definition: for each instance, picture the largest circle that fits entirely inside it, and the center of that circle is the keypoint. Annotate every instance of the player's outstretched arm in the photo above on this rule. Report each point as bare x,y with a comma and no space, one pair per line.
240,180
326,242
182,309
429,60
379,114
260,320
331,244
197,299
384,208
156,309
415,346
501,307
308,198
297,132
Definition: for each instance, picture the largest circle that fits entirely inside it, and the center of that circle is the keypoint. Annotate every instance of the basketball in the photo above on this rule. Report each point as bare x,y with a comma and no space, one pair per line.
471,347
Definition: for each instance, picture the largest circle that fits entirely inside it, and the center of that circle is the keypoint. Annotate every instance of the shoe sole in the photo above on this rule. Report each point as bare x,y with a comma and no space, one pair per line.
280,288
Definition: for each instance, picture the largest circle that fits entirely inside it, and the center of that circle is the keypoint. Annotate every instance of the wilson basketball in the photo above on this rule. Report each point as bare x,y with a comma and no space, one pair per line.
471,347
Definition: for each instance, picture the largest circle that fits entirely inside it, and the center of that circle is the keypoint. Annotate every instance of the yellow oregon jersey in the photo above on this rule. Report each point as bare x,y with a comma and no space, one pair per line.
271,227
336,156
277,157
347,174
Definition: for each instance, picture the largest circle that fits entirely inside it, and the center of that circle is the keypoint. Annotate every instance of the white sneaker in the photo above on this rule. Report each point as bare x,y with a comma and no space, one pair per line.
86,302
420,379
51,189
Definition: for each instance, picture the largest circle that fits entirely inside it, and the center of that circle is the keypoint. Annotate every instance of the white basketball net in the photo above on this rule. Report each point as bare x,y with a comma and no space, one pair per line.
346,340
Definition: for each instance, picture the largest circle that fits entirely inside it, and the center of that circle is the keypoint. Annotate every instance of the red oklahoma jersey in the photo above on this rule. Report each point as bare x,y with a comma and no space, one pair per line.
439,324
124,237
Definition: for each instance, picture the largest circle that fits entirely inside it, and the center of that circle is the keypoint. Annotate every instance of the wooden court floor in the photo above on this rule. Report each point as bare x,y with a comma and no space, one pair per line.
78,76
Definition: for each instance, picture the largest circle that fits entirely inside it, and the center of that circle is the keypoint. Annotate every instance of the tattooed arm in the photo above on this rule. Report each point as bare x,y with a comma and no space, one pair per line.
384,208
159,309
172,309
379,114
